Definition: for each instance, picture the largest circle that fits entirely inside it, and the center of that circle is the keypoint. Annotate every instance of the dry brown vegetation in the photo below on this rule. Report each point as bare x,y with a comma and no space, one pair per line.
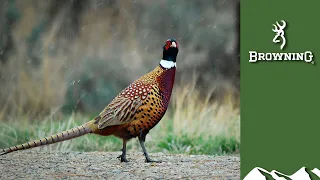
79,54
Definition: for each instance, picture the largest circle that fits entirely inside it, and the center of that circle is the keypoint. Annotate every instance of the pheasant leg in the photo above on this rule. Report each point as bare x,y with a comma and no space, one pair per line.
124,151
148,159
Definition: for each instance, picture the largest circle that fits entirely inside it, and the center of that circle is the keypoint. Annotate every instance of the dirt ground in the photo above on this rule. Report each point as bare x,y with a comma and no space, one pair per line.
30,164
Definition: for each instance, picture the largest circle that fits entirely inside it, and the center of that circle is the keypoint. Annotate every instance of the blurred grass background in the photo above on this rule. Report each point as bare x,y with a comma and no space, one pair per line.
63,61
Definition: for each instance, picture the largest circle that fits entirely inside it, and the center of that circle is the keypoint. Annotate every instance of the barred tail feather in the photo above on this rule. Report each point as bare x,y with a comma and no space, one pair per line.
62,136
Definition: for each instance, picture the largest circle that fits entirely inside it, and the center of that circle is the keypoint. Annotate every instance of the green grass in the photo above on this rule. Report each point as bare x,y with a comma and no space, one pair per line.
191,126
161,139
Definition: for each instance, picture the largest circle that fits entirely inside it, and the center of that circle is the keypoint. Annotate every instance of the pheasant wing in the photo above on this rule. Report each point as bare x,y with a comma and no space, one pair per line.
123,107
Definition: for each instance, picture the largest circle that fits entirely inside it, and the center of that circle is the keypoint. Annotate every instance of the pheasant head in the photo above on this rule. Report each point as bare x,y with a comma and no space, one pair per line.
170,50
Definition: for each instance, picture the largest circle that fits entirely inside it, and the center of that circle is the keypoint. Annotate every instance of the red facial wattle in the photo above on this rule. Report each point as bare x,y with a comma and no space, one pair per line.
169,44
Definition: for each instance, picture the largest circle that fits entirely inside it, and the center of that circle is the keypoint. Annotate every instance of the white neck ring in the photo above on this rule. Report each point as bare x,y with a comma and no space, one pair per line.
167,64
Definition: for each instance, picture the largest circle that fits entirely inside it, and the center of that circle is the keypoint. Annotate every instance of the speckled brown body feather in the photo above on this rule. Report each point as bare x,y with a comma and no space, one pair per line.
154,89
132,113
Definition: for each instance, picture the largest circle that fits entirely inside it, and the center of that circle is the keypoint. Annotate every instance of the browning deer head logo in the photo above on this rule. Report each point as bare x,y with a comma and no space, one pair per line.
279,30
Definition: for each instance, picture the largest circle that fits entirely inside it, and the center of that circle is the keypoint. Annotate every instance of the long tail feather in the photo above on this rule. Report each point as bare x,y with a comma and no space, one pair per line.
62,136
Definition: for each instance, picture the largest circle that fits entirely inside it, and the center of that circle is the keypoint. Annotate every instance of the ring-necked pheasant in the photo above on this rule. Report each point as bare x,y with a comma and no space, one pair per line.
132,113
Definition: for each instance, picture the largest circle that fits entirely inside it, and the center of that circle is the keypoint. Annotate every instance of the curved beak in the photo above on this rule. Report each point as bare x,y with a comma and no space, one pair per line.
173,44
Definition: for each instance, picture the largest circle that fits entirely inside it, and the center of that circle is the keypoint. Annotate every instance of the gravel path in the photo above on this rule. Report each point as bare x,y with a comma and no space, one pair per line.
30,164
